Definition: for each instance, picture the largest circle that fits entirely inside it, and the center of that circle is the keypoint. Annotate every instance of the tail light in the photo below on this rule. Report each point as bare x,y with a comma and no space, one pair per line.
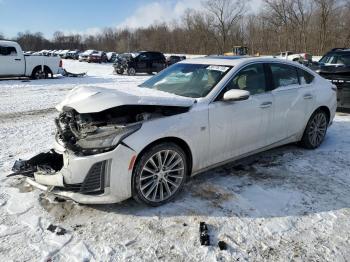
60,64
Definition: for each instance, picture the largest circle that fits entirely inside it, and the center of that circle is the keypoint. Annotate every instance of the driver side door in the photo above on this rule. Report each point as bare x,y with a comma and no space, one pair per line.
239,127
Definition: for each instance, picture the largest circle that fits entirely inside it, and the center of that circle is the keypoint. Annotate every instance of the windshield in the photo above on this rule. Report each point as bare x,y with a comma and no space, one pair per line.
190,80
336,59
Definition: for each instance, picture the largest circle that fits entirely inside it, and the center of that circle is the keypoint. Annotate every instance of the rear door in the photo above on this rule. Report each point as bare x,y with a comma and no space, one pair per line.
158,62
142,62
292,101
11,62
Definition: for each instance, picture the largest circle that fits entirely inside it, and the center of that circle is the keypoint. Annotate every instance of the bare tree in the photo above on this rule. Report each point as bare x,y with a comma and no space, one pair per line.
225,14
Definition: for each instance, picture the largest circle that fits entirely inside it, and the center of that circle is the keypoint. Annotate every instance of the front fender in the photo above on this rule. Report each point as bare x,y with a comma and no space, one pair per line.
191,127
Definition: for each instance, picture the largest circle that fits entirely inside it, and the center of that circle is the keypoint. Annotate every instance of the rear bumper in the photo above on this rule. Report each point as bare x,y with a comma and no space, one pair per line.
96,179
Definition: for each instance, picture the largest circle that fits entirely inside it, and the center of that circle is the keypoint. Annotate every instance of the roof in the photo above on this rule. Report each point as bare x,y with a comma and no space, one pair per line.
234,60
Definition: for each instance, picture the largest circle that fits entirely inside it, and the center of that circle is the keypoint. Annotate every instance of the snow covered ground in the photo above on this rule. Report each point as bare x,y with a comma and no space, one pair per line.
284,204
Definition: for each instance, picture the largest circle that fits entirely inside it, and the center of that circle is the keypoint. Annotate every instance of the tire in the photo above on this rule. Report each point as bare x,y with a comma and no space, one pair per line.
315,130
131,71
38,73
154,183
120,71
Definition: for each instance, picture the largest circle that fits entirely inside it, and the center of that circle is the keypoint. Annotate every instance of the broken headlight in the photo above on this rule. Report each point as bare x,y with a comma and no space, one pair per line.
105,138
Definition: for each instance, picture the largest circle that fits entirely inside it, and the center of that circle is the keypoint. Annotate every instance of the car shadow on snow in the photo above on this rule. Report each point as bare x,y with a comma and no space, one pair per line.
287,181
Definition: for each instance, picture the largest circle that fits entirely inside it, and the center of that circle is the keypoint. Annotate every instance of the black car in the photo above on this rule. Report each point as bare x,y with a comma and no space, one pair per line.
335,66
142,62
173,59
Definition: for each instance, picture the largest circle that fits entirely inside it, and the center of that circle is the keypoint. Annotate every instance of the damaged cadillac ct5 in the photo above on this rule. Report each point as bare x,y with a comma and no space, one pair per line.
145,141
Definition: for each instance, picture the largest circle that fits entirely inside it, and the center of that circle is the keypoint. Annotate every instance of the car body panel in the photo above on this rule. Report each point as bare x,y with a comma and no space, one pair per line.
97,99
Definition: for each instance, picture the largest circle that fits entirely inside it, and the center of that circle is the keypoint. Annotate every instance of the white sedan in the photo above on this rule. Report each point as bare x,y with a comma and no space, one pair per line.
145,141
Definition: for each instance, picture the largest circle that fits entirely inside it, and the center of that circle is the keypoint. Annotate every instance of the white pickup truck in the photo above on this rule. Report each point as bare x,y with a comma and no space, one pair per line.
14,63
302,57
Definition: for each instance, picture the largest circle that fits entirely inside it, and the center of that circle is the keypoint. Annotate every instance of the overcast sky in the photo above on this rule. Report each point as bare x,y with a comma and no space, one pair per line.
89,16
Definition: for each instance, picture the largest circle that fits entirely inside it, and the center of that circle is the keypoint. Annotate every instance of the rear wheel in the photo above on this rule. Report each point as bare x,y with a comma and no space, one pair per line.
315,130
131,71
38,73
160,174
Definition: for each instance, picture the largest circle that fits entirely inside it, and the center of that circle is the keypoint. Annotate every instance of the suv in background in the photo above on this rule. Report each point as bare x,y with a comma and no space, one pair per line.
173,59
335,66
142,62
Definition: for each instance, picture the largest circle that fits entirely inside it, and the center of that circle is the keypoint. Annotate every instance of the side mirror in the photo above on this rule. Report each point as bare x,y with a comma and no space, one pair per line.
236,95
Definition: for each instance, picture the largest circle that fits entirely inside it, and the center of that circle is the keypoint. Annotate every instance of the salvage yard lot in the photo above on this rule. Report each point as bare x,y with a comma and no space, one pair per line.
284,204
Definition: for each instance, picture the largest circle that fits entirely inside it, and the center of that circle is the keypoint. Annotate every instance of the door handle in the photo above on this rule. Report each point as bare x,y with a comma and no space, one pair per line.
17,59
266,105
308,96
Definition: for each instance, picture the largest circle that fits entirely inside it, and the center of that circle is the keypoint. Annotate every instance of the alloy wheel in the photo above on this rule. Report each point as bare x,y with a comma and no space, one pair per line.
317,130
161,175
39,74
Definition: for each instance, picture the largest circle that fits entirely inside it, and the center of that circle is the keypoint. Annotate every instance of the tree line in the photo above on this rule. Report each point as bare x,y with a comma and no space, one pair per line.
313,26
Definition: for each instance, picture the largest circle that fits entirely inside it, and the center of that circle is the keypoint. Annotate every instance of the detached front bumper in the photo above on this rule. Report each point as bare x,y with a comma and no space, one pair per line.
95,179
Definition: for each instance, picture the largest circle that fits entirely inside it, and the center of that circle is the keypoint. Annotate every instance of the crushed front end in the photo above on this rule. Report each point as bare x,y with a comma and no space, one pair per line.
87,150
90,164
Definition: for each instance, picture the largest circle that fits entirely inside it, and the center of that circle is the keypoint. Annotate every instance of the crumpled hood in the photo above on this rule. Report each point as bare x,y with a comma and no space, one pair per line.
96,99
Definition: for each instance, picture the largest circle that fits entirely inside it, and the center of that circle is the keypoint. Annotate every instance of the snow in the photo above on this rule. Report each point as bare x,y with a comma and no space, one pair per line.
284,204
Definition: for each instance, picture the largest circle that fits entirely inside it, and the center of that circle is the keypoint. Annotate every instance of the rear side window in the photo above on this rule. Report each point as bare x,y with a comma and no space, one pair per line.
8,50
284,75
305,77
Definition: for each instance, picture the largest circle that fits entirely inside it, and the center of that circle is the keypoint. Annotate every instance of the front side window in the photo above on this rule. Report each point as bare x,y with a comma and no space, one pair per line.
250,78
284,75
189,80
8,51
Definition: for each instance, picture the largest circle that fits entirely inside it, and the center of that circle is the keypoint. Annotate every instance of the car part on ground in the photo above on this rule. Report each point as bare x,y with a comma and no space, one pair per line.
204,237
69,74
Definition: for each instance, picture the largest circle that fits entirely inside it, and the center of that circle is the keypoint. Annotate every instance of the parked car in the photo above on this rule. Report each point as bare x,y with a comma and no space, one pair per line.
74,54
14,63
111,57
63,53
142,62
173,59
85,55
335,66
145,141
304,58
97,57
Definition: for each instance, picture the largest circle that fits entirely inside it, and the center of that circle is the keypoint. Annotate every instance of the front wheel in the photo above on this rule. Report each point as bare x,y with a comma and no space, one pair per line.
160,174
120,71
315,130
